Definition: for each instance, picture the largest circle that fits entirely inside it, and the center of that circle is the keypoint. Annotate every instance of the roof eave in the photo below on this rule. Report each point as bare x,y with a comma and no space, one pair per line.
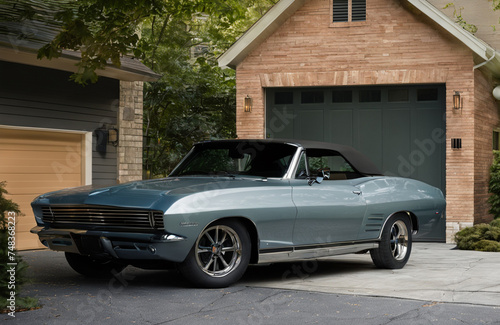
259,32
68,60
480,48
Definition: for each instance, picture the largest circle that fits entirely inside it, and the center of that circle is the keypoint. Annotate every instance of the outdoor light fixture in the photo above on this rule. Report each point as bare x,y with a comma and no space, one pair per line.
113,136
248,104
457,100
104,137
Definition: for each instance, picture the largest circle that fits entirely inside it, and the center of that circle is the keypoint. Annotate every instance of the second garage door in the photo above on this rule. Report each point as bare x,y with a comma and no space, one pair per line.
36,162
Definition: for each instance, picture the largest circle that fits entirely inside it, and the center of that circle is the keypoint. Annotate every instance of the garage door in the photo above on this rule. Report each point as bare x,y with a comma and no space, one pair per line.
400,128
35,162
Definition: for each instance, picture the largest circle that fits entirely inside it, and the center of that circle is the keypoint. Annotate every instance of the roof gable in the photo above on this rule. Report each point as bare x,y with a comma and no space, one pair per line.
284,9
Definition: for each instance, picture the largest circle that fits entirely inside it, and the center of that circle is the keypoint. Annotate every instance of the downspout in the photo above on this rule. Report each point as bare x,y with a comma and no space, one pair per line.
485,62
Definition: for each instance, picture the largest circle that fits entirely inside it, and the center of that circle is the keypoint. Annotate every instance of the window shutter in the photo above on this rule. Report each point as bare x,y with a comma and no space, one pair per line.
340,10
358,10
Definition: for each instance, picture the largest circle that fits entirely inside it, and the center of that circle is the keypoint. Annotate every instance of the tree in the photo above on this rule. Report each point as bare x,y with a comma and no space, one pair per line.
195,99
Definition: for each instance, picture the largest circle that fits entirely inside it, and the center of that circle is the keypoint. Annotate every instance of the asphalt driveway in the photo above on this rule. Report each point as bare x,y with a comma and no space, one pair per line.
439,284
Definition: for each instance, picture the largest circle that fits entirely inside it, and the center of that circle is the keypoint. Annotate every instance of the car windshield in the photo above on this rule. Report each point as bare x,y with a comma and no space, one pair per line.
237,158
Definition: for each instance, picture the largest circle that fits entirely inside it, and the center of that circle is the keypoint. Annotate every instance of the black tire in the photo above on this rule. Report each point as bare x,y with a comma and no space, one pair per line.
219,257
91,267
395,245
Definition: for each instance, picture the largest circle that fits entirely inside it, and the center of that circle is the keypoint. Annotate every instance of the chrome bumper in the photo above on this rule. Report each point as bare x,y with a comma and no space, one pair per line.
116,244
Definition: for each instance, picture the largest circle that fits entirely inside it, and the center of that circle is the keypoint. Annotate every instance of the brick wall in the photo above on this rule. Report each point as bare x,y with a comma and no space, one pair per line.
396,45
130,131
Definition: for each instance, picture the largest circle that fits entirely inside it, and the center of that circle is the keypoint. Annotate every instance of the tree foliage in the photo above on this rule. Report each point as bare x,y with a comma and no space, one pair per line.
195,99
494,186
179,39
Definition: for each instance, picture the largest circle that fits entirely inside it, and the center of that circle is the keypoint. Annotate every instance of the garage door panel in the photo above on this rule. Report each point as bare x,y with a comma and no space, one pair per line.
396,140
36,162
309,124
369,135
338,127
280,123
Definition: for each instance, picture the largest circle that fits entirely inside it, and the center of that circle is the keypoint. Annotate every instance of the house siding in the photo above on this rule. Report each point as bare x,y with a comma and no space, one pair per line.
396,45
46,98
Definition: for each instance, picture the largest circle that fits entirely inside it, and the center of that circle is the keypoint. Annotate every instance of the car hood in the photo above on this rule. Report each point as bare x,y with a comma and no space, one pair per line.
150,194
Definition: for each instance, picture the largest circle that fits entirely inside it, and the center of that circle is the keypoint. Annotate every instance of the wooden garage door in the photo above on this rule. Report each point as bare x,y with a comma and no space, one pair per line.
33,163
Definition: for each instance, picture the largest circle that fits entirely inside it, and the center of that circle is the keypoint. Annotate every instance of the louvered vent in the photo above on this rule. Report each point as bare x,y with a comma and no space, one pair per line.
358,10
340,10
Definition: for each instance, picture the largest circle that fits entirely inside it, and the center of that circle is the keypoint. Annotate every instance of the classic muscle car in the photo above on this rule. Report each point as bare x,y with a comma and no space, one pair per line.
232,203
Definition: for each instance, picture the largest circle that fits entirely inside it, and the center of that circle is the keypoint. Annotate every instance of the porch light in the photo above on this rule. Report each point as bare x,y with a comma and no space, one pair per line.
457,100
113,136
248,104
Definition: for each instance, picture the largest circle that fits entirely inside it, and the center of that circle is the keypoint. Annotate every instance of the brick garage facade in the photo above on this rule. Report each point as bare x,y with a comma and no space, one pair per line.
396,45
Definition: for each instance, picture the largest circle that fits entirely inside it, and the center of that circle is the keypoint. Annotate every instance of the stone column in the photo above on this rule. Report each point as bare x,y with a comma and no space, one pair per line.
130,131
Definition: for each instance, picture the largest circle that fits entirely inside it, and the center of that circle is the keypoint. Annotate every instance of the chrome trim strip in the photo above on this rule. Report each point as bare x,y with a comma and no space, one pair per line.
316,252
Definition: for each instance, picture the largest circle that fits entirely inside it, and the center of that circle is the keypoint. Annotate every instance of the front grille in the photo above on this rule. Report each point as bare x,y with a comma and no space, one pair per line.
102,217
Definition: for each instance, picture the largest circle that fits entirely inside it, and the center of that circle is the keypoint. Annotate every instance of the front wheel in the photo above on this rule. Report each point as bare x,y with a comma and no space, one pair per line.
219,257
395,244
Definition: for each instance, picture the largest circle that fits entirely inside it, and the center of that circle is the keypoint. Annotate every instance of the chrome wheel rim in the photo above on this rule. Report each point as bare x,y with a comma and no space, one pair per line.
399,240
218,251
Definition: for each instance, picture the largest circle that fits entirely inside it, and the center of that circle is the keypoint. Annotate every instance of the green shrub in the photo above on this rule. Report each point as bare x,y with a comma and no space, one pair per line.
481,237
9,259
494,186
487,246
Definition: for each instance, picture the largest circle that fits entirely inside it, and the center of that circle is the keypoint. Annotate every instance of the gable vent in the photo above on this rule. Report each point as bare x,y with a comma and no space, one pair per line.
340,10
358,10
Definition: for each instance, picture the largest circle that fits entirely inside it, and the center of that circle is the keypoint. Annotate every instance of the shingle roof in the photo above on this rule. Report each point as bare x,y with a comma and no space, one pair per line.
20,41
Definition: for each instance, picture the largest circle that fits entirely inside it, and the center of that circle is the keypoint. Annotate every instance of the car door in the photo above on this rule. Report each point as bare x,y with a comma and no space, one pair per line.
328,211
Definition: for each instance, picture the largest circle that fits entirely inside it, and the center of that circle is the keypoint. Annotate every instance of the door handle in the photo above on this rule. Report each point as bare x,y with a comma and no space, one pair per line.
357,192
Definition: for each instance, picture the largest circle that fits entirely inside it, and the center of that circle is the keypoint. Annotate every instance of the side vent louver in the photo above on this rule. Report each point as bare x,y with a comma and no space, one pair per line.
340,10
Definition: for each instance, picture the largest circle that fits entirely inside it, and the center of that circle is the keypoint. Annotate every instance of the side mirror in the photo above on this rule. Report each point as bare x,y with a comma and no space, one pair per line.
313,180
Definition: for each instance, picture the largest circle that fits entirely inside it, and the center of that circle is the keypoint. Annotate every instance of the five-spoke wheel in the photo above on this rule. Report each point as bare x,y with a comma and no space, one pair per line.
395,243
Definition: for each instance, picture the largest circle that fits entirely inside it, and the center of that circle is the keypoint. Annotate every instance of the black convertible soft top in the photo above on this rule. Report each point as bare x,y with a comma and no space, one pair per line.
358,160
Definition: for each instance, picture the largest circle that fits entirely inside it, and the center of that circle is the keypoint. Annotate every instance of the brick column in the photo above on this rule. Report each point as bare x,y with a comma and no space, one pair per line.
130,131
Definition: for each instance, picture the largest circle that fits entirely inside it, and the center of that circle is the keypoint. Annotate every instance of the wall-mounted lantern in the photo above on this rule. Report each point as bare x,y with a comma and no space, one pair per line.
104,137
457,100
113,137
248,104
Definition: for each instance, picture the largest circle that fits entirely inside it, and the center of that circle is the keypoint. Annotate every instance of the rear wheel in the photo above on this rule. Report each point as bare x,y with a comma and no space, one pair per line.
219,257
91,267
395,244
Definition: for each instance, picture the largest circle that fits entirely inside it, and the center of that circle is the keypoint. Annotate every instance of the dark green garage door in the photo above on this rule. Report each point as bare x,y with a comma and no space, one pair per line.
400,128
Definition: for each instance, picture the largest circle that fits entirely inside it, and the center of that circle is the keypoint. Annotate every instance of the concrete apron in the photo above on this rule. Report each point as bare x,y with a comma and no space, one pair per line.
436,272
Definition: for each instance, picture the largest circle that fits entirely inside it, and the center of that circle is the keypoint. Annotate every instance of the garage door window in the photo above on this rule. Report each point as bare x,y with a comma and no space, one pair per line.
370,96
427,94
398,95
312,97
342,96
283,98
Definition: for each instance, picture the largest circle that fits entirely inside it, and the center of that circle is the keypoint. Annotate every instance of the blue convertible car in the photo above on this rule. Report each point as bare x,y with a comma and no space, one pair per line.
230,203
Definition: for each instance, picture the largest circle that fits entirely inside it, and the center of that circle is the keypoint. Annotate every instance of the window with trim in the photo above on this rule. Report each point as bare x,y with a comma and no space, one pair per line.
348,10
